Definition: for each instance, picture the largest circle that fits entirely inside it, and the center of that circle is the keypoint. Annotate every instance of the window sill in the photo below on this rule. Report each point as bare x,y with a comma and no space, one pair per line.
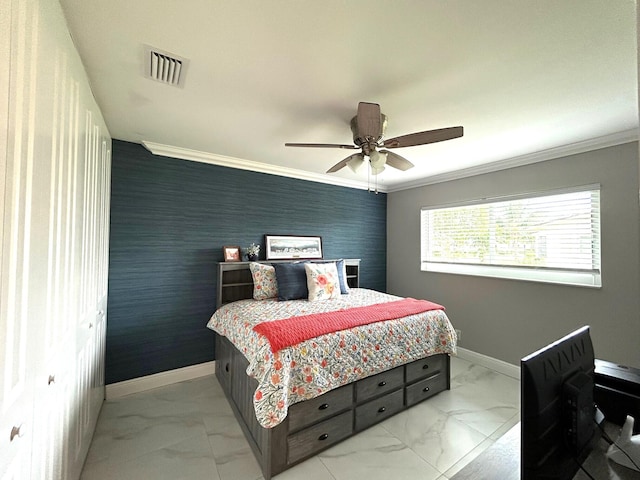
562,277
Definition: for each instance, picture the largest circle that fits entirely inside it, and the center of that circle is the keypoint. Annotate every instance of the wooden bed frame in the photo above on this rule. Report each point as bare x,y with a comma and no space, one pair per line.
314,425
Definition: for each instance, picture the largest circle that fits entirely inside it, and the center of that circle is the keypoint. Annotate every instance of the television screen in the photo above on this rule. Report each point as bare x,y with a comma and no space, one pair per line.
557,408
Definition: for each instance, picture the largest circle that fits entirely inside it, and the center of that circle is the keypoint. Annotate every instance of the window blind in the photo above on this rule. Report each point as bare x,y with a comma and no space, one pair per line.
517,237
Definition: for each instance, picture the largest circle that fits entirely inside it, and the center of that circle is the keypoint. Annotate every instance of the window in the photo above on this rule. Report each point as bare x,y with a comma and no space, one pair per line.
551,237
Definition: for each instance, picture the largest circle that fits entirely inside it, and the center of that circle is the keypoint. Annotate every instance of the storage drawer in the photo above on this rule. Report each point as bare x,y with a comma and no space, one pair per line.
426,388
313,439
379,384
425,367
378,409
311,411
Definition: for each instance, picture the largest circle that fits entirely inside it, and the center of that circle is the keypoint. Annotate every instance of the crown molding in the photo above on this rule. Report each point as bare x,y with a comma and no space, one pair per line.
232,162
542,156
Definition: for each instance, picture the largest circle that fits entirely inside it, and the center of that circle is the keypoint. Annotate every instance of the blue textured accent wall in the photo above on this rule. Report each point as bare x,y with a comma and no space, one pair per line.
169,221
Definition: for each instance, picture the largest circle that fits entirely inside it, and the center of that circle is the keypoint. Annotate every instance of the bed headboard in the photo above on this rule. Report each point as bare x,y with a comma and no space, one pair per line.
235,281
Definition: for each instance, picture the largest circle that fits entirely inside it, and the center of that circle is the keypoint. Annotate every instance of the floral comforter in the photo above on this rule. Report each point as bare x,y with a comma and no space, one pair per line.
315,366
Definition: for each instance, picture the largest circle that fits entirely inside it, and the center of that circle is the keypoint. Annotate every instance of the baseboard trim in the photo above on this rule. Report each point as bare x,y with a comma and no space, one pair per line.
490,362
136,385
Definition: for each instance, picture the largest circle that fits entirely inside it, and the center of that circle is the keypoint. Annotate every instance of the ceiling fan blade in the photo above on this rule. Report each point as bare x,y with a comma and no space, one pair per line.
369,121
341,164
422,138
321,145
396,161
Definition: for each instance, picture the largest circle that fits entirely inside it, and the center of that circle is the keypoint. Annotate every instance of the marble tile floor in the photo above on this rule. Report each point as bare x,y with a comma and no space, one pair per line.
187,431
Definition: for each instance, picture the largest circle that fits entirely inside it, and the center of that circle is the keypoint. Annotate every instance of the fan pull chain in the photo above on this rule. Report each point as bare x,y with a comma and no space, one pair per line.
369,180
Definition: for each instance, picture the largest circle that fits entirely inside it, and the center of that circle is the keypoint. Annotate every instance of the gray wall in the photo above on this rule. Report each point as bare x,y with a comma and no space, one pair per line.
507,319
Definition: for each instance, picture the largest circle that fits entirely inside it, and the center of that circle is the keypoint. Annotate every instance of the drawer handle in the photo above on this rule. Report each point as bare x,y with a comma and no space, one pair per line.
226,367
382,409
425,389
425,366
324,436
382,383
324,406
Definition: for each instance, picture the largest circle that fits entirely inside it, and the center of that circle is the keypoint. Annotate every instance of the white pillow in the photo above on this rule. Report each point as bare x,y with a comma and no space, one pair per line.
322,281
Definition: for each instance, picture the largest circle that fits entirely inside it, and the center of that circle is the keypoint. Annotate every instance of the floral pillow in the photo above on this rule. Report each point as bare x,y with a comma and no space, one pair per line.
322,281
264,281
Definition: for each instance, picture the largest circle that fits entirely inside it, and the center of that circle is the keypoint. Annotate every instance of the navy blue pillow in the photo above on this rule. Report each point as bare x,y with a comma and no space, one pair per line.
344,286
292,281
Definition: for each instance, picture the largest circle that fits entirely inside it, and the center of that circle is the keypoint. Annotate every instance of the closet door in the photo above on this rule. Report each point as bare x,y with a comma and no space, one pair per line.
54,290
54,216
17,365
93,210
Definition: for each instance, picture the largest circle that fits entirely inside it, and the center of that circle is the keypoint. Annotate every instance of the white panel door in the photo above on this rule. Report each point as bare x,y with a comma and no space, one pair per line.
54,214
16,364
54,289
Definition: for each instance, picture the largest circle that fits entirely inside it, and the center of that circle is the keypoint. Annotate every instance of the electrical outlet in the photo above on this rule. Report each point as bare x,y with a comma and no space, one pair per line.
459,334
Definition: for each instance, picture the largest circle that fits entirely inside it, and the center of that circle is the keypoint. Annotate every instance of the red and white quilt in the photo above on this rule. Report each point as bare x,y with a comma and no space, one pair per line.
329,360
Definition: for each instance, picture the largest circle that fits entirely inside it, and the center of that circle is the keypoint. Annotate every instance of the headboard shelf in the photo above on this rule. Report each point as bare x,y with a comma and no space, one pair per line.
236,283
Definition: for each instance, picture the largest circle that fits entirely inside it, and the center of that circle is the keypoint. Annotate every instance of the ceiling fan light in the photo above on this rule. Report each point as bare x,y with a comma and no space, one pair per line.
377,170
377,160
355,162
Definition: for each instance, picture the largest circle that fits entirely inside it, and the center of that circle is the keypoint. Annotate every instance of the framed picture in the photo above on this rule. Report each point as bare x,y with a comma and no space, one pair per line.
290,247
231,254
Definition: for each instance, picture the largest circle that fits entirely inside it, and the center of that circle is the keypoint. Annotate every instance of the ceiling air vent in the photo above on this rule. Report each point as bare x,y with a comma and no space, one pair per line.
165,67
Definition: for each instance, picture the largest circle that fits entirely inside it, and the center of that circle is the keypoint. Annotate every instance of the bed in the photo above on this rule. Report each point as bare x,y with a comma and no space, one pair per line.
297,399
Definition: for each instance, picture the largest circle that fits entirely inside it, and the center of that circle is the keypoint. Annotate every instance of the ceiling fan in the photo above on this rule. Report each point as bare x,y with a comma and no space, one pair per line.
368,128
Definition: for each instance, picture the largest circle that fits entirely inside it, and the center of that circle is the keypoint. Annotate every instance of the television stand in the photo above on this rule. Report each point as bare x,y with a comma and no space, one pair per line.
617,392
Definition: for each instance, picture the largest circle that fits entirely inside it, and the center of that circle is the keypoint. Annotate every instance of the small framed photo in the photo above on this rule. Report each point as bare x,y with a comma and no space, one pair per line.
291,247
231,254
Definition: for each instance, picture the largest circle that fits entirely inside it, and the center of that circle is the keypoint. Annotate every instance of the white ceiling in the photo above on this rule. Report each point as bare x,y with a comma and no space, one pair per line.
521,76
